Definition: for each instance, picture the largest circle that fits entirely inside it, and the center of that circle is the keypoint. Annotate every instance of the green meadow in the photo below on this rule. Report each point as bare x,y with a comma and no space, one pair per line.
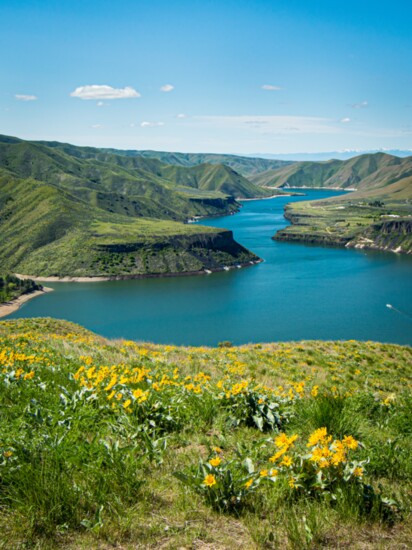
121,444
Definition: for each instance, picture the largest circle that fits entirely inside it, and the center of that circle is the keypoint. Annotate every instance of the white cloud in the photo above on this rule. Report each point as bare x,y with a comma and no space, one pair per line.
24,97
181,115
97,126
147,124
271,87
96,91
345,119
167,88
360,105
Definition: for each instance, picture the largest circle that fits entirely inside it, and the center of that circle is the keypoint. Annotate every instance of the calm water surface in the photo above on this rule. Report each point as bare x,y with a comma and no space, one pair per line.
299,292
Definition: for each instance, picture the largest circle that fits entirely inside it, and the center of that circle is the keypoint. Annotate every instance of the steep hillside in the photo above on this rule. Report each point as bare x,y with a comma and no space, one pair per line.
246,166
49,230
363,172
129,174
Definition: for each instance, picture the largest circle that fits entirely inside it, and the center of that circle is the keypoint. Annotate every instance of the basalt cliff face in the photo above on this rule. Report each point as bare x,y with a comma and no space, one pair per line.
176,255
388,235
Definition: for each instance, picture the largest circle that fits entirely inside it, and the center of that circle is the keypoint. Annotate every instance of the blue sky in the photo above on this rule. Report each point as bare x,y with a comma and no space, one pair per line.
213,76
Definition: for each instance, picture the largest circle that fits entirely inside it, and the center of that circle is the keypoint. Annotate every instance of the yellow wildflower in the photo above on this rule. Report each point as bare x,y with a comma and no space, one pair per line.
264,473
287,461
350,442
209,480
358,471
319,436
248,483
215,461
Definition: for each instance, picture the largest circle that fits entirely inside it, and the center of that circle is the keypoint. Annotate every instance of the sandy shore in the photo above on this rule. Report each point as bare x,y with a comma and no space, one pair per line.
10,307
65,279
136,276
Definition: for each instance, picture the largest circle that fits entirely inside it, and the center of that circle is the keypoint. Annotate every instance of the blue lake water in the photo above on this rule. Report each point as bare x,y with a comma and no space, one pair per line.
299,292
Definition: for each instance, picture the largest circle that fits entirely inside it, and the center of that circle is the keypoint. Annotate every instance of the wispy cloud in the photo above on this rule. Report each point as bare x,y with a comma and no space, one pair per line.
345,120
272,124
147,124
270,87
167,88
361,105
25,97
181,115
97,126
96,91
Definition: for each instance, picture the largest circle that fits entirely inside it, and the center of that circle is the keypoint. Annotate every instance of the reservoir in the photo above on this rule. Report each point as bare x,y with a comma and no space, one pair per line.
299,292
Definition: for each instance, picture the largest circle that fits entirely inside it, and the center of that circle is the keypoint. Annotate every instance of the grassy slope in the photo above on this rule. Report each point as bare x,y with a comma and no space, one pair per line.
48,231
99,166
65,213
246,166
363,172
379,218
83,468
378,215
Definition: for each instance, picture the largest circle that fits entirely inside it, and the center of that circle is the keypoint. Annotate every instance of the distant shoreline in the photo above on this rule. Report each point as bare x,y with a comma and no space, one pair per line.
99,279
266,198
6,308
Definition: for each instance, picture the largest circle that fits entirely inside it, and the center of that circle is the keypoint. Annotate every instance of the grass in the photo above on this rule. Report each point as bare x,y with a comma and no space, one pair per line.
60,204
107,443
48,232
354,221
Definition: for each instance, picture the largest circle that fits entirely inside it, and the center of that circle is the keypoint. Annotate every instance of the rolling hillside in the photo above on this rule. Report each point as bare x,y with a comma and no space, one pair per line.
246,166
67,214
379,218
364,172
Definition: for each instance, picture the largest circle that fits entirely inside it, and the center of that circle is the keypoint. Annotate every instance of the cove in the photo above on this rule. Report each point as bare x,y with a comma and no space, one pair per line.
299,292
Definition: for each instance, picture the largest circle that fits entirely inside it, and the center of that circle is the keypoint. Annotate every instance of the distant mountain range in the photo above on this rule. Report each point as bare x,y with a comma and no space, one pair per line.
339,155
370,171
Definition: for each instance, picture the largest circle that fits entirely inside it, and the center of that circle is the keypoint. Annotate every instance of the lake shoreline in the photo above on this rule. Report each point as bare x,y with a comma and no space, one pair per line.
6,308
99,279
266,198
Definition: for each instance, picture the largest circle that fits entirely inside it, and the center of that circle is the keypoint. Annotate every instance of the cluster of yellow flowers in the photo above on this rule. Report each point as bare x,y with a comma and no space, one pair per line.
326,453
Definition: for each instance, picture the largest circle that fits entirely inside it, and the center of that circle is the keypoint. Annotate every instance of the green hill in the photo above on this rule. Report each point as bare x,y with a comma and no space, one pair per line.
378,215
133,174
246,166
117,444
71,214
363,172
379,218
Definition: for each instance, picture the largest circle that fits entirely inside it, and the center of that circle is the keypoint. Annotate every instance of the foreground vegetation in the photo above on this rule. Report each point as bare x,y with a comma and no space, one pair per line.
107,444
